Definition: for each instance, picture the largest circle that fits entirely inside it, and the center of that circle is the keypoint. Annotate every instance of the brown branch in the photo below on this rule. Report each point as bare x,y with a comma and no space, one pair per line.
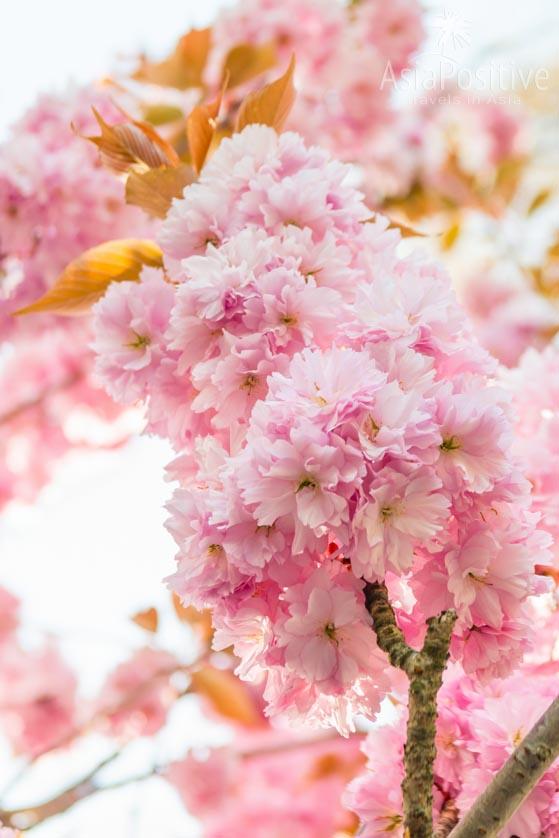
293,744
447,819
30,816
514,782
425,672
127,702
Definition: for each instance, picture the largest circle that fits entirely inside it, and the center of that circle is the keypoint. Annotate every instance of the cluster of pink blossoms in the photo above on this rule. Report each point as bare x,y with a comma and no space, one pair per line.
345,54
40,708
337,425
351,60
534,386
271,784
37,688
467,137
56,200
508,287
477,730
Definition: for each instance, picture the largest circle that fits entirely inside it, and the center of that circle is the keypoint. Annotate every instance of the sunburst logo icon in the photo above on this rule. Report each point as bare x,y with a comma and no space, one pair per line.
452,31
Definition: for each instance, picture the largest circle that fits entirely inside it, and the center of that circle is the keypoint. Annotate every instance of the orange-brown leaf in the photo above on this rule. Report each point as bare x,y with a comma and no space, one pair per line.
199,621
541,198
246,61
86,279
148,619
547,570
450,236
271,104
129,144
155,189
184,68
405,231
228,696
200,131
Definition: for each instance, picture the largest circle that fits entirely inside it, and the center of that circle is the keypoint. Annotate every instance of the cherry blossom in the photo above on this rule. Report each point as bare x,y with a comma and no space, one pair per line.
354,435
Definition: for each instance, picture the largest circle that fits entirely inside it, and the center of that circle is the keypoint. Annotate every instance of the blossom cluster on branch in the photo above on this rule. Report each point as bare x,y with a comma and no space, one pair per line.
56,200
336,423
338,426
477,730
282,778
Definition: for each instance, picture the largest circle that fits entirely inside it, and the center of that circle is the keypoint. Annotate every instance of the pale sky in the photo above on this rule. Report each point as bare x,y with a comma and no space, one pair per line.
45,43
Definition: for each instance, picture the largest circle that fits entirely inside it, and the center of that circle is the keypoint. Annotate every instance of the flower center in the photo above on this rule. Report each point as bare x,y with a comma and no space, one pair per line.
330,631
371,428
288,319
451,443
481,579
267,529
249,382
306,482
393,822
139,342
318,399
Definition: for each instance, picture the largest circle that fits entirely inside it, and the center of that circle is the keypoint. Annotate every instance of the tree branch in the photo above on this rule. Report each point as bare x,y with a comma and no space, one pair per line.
30,816
390,637
447,820
514,782
125,703
425,672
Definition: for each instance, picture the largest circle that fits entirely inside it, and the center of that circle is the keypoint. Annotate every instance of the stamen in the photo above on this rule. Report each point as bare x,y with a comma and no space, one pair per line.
140,342
452,443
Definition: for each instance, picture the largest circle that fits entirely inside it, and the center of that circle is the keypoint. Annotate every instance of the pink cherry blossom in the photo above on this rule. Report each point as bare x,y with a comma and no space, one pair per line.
37,698
56,200
404,510
488,577
9,614
326,638
129,328
474,440
137,695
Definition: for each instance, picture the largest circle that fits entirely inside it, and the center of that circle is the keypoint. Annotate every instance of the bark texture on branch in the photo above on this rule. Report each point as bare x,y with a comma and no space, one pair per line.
425,672
447,820
514,782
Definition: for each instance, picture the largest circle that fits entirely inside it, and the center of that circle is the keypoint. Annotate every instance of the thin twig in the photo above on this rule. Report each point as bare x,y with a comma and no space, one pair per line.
127,702
30,816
